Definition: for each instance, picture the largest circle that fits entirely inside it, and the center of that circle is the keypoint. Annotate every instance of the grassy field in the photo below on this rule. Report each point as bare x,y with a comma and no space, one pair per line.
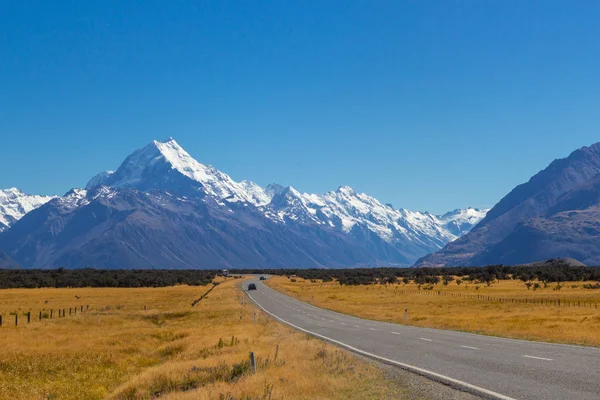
512,310
119,350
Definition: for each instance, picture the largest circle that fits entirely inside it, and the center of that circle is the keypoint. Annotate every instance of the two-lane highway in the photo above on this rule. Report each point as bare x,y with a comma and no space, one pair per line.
488,366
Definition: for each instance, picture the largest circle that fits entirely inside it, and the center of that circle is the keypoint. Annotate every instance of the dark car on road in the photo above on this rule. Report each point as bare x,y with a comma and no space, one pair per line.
262,278
252,286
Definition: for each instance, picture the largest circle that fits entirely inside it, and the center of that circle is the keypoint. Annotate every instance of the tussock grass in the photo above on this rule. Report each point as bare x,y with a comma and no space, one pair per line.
119,350
571,324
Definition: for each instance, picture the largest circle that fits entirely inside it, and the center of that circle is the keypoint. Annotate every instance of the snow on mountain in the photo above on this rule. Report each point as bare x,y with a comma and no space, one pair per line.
14,204
99,179
167,167
258,195
461,221
344,208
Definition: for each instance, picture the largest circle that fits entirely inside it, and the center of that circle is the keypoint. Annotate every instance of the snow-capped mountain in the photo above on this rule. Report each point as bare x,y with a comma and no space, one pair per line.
14,204
162,208
99,179
160,164
167,166
461,221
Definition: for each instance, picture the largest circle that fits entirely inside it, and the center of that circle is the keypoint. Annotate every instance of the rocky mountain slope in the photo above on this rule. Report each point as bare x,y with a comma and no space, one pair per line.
162,208
555,214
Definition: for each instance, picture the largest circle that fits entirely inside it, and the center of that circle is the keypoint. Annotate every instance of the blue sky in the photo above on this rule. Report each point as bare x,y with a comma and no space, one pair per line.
428,105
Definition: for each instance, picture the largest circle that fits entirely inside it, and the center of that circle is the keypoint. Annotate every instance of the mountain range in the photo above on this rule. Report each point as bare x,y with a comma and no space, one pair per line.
163,209
555,214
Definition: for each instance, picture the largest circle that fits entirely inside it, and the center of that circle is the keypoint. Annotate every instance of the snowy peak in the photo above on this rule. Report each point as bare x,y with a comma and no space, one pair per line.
258,195
346,191
273,189
461,221
14,204
165,165
99,179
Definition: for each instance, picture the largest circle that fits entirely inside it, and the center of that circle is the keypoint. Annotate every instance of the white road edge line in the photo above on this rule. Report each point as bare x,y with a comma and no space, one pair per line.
469,347
539,358
425,339
418,370
395,333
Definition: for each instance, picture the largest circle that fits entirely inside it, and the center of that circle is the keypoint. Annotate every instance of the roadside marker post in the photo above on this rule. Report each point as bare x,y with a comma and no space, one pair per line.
254,317
253,362
405,311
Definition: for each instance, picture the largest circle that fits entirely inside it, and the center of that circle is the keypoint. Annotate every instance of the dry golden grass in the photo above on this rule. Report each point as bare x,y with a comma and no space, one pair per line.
577,325
118,350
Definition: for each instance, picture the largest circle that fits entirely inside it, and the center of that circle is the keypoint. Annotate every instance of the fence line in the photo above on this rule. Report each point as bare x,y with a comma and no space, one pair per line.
43,314
533,301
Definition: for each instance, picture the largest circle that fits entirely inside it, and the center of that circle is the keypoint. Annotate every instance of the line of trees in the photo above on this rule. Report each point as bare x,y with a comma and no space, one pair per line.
88,277
551,272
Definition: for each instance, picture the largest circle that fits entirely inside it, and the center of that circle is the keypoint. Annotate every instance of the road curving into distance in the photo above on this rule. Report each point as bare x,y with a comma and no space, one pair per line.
488,366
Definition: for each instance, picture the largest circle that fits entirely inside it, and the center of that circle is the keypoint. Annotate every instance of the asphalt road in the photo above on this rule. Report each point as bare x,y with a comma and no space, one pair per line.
488,366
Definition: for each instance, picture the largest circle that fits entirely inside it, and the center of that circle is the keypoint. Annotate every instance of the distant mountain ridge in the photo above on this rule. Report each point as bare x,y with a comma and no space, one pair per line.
555,214
162,208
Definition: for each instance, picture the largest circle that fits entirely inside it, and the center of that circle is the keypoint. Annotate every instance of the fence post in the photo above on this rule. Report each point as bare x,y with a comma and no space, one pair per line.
28,316
0,320
40,315
69,310
88,307
51,312
64,312
81,308
254,321
405,311
253,362
16,319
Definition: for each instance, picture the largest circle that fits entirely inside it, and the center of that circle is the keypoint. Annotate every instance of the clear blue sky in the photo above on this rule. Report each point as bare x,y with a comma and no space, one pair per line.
428,105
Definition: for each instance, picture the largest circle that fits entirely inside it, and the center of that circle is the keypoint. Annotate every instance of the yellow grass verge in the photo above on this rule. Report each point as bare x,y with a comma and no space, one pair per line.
571,324
118,350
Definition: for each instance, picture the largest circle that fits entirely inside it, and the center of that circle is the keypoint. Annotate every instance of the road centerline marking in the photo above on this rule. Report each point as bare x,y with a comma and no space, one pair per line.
395,333
425,339
470,347
539,358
